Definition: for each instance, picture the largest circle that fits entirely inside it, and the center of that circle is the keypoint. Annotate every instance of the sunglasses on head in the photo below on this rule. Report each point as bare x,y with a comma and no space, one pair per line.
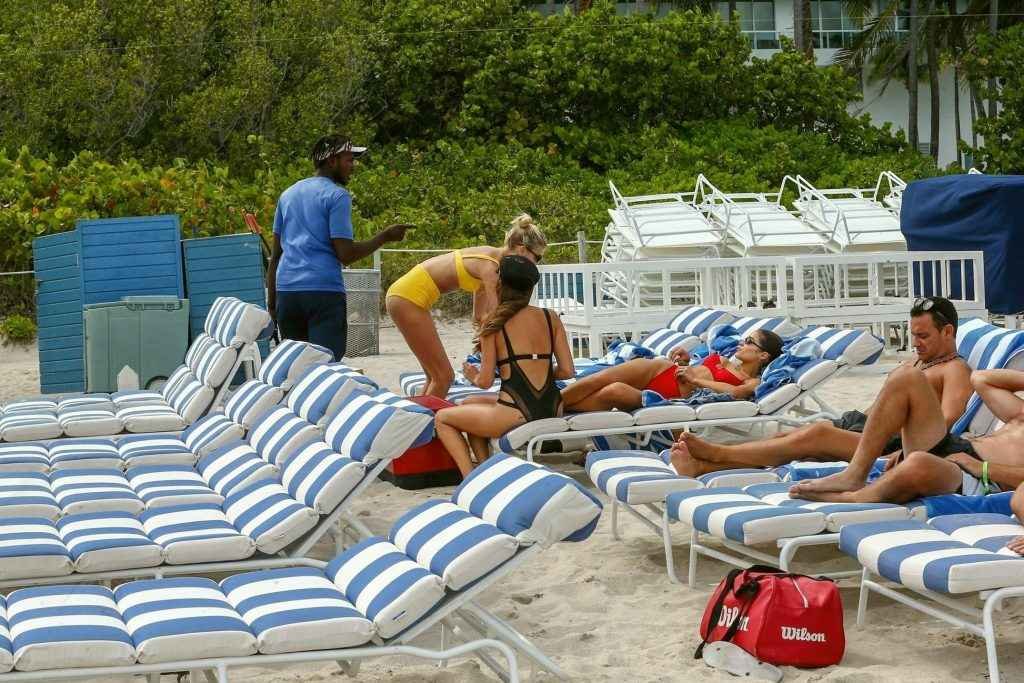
926,304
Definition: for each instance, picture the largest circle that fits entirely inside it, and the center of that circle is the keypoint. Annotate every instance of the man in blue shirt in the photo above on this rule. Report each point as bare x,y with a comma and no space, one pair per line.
312,241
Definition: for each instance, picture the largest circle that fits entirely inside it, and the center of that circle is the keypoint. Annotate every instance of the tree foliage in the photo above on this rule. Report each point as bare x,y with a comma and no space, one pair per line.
1000,57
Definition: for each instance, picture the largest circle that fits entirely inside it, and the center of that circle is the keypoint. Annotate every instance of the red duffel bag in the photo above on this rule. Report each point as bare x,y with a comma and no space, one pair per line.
780,618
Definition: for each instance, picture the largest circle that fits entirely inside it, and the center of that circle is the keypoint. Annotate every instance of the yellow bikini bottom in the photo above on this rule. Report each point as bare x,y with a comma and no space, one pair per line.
416,286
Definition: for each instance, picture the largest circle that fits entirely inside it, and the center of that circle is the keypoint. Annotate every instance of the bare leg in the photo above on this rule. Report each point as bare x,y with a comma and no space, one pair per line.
420,334
1017,505
996,388
685,464
477,420
920,474
820,440
617,395
481,447
907,403
635,373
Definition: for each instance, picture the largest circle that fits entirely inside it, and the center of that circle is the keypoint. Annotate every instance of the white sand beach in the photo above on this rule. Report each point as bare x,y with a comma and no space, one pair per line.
606,611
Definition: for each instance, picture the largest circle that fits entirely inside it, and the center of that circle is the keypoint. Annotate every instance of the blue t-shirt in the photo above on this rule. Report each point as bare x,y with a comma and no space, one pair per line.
309,214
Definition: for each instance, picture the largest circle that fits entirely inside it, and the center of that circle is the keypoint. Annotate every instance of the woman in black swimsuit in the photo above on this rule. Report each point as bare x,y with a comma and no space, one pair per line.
528,347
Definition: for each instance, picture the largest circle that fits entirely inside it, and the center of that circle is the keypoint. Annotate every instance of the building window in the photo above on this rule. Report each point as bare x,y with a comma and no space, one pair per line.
831,27
757,21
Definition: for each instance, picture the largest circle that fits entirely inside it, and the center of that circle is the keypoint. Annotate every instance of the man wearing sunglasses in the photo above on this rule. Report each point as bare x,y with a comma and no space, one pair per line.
938,372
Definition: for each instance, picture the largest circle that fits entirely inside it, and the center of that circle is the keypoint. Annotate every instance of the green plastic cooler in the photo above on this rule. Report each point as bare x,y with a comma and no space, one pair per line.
147,333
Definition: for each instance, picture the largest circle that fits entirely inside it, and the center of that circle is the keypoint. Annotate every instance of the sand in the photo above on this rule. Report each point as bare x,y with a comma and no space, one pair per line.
605,610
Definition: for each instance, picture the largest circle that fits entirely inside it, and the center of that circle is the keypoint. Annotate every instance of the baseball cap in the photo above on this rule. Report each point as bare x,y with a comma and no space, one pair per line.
518,272
330,145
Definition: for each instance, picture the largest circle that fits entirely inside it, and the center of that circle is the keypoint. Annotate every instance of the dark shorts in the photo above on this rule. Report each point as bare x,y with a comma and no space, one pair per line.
317,317
951,444
854,421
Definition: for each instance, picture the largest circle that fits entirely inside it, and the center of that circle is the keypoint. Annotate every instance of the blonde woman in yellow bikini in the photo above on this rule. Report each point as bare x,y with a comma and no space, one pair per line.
473,270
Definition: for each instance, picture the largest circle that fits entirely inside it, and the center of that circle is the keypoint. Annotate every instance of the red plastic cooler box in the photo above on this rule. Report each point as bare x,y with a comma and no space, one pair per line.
425,466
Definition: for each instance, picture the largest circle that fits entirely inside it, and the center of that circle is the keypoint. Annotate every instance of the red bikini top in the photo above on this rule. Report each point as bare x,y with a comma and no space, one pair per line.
719,372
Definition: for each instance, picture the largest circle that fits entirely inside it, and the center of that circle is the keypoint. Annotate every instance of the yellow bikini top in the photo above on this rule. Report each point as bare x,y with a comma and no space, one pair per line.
467,282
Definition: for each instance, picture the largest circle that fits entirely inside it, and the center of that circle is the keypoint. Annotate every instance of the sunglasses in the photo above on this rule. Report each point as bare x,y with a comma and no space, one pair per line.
750,340
926,304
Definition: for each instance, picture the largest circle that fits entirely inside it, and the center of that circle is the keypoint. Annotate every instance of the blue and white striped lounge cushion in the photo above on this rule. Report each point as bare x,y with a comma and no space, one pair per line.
737,477
6,649
187,618
108,541
28,456
209,433
85,453
94,490
635,477
289,360
154,449
210,362
921,557
319,478
278,434
385,585
452,543
251,400
93,419
36,404
852,346
31,547
168,485
233,322
140,397
25,426
982,530
234,465
664,340
732,514
319,393
27,494
196,533
63,627
367,430
517,438
837,515
353,374
747,324
696,320
154,417
268,515
985,347
296,609
528,501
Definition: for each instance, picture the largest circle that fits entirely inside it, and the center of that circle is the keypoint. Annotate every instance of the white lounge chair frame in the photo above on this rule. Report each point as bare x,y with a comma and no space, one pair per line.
889,190
758,223
980,622
851,218
494,632
839,290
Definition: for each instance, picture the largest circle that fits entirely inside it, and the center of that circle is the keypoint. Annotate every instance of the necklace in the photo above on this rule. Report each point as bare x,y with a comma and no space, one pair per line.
939,361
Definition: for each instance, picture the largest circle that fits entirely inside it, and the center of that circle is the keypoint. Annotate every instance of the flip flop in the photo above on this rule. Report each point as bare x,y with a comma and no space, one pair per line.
738,662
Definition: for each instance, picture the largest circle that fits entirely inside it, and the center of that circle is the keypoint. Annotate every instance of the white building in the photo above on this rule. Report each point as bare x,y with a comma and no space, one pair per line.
763,21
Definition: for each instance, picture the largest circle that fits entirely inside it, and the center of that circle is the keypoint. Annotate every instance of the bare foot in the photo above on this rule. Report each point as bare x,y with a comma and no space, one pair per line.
699,448
834,483
1017,545
826,496
684,463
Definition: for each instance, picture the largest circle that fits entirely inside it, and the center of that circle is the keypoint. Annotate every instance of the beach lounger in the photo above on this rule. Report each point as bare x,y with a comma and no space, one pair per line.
369,601
650,428
936,565
199,385
280,490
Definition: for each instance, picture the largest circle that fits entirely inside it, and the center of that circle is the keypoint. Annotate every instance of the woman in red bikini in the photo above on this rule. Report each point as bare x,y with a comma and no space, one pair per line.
622,386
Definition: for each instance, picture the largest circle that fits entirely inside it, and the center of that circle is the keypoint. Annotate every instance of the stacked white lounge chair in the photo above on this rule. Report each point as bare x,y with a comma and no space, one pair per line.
200,384
369,601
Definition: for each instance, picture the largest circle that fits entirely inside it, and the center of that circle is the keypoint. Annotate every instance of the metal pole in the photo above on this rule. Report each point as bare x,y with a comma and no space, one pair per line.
581,245
376,260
